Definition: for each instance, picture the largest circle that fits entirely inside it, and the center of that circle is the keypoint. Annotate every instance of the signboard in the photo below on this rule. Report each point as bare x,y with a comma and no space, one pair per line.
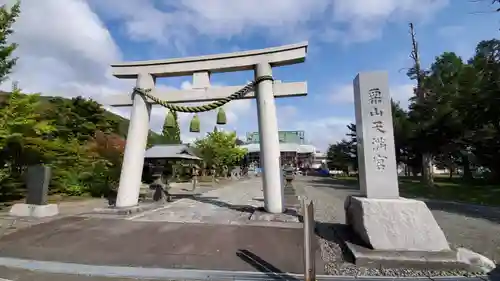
284,137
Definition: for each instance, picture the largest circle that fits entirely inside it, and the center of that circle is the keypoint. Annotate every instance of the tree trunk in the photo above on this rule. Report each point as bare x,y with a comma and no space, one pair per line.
467,170
427,176
451,172
414,171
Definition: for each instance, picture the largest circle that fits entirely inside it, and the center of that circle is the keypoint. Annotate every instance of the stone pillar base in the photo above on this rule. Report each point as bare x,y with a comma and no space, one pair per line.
31,210
395,224
120,210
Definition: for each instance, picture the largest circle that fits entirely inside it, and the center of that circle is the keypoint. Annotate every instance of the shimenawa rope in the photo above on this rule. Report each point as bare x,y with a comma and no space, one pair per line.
206,107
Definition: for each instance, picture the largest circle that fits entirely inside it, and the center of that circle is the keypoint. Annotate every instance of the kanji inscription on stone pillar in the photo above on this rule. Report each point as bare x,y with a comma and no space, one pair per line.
375,136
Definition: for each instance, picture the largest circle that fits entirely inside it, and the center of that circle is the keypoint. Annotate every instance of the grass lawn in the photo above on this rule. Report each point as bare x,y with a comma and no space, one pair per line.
454,189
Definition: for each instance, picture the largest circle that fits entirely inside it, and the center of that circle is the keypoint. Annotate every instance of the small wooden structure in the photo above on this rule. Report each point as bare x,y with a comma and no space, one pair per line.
159,168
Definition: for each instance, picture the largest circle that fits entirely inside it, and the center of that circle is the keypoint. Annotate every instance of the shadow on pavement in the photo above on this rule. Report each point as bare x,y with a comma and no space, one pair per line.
241,208
215,202
334,183
263,266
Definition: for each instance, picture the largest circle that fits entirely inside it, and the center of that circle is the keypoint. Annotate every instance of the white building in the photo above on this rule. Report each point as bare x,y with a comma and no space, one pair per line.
319,159
297,154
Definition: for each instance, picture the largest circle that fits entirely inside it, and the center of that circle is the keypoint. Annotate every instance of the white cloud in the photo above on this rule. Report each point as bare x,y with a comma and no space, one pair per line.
325,131
365,18
342,94
402,94
63,49
286,111
450,31
174,23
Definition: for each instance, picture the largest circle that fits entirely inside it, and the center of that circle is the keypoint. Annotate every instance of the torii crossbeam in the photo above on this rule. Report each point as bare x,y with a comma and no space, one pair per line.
261,61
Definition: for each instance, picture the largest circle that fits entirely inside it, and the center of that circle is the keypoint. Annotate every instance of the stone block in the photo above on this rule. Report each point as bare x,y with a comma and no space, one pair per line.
32,210
395,224
37,183
478,262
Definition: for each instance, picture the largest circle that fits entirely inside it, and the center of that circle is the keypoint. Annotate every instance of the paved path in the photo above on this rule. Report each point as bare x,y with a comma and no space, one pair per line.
231,204
116,242
202,232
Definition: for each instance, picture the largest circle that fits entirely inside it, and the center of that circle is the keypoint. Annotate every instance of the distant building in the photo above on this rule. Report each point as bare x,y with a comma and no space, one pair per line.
297,137
319,159
293,148
160,154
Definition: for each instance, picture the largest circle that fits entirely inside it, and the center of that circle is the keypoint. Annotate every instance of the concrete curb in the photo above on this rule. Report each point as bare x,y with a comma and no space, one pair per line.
185,274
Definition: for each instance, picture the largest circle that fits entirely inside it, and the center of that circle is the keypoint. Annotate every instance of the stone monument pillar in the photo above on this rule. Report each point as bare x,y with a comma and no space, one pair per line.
37,183
380,217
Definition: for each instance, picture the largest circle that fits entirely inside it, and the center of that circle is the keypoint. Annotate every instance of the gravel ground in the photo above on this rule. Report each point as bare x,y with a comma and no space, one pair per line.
480,235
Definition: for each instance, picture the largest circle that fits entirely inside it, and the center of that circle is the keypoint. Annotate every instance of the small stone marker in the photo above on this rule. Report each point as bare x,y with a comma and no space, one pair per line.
375,136
37,182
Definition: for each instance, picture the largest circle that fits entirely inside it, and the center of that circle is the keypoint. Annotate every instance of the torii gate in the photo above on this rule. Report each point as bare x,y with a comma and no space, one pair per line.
261,61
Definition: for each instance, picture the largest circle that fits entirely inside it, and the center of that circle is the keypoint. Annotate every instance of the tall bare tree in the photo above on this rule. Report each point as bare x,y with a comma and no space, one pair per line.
420,94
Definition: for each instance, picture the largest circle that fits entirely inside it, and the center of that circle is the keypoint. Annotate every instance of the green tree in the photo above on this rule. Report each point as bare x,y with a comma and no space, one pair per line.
219,148
78,118
7,19
342,156
479,103
436,124
171,135
24,136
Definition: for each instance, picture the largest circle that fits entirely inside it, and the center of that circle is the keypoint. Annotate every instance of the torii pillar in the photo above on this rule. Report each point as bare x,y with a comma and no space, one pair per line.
260,61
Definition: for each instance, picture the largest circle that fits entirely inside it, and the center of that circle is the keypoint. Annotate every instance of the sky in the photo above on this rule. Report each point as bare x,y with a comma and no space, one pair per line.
66,48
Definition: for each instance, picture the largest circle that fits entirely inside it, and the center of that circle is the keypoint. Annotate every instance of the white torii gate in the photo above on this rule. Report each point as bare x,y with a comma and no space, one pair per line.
261,61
